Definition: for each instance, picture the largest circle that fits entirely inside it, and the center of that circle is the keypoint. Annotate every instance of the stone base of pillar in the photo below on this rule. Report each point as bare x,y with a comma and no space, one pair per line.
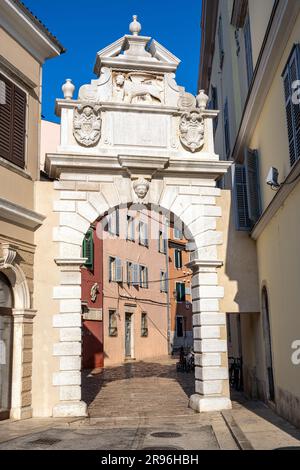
203,404
64,409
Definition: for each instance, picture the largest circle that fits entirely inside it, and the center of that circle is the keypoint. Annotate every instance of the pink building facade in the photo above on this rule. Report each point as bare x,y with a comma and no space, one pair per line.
135,311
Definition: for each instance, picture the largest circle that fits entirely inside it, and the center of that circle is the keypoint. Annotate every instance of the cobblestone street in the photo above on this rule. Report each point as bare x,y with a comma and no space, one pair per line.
144,405
142,389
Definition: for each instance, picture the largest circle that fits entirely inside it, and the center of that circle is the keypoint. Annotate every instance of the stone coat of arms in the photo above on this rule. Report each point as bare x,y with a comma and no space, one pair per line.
87,125
191,130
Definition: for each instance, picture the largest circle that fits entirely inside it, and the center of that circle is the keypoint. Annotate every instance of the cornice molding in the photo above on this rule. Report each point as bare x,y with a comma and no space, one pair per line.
30,35
19,215
284,191
139,163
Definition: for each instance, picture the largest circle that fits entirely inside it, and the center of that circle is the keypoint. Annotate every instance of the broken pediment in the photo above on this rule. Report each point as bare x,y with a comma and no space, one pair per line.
136,51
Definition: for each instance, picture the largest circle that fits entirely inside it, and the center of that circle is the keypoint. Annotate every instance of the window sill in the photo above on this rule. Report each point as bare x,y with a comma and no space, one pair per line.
12,167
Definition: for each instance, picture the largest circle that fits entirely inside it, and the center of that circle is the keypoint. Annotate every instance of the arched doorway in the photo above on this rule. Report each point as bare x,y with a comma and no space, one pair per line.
6,339
268,345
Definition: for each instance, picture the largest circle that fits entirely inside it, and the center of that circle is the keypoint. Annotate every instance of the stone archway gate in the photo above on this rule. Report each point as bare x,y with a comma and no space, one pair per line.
133,135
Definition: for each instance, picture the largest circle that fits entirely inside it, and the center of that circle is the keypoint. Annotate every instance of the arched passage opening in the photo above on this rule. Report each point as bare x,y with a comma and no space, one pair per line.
136,294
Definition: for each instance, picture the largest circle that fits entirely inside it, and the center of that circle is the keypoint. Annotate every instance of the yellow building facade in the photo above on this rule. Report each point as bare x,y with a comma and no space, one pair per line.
251,76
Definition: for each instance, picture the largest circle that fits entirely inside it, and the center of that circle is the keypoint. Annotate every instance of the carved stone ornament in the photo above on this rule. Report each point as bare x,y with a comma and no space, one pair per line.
8,254
94,292
138,88
191,130
87,125
141,188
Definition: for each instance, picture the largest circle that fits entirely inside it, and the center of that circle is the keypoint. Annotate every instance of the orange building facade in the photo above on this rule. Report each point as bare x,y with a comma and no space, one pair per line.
180,277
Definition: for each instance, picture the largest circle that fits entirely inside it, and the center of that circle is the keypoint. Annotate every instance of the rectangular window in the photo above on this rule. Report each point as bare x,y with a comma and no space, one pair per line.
178,235
162,242
214,105
143,234
180,291
178,258
115,269
252,184
221,43
291,75
163,282
112,323
132,274
248,49
130,228
226,130
240,196
113,222
144,325
88,249
144,277
179,327
12,122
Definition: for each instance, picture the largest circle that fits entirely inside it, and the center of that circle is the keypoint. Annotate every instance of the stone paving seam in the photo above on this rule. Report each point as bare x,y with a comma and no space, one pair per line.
236,432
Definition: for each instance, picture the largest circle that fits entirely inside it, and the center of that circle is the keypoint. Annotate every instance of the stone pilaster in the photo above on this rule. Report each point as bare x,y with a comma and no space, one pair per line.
22,363
68,350
210,342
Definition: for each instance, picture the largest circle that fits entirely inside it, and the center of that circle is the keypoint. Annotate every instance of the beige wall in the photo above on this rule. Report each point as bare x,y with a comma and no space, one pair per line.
238,275
150,300
46,273
279,271
260,13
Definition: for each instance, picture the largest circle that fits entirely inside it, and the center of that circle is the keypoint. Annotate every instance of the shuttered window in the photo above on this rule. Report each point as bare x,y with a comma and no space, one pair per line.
163,282
12,122
290,75
143,234
226,129
252,185
88,249
241,203
180,291
144,277
214,105
115,270
248,49
178,258
221,42
144,324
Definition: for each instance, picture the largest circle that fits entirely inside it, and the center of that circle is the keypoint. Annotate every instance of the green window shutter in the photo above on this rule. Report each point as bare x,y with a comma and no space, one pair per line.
178,259
240,198
88,249
253,186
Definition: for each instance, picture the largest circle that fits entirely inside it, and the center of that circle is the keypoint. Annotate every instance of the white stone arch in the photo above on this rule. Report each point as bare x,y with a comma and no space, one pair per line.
192,201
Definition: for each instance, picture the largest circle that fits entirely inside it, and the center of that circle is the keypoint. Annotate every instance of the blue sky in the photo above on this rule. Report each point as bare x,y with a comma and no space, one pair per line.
85,27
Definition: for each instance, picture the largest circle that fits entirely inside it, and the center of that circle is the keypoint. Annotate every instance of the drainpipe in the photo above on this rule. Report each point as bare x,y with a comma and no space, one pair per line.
168,297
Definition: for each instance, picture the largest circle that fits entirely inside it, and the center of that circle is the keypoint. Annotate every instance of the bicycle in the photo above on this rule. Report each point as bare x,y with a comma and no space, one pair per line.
235,372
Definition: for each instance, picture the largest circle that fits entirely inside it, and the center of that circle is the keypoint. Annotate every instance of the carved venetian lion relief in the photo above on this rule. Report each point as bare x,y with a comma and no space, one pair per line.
191,130
138,88
87,125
